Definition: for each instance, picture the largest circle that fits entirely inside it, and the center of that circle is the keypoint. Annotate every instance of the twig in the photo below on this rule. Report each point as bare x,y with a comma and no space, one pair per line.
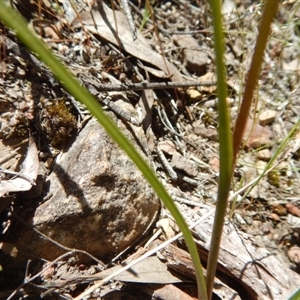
38,274
190,180
151,86
186,201
9,156
129,18
18,174
172,102
120,112
92,86
164,119
165,163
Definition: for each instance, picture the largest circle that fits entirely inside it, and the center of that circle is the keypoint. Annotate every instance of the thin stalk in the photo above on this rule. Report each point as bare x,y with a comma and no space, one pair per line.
295,296
225,138
151,86
229,151
270,9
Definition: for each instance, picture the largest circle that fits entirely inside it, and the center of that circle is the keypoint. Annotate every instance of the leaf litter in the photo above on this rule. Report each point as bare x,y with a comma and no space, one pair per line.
278,90
25,179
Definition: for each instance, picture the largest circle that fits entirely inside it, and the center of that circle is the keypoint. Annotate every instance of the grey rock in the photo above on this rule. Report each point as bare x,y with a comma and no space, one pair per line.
167,146
195,58
181,163
267,117
101,203
264,154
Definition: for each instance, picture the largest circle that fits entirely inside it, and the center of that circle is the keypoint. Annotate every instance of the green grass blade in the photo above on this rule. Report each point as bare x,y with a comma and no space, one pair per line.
295,296
280,149
226,153
17,23
146,17
229,151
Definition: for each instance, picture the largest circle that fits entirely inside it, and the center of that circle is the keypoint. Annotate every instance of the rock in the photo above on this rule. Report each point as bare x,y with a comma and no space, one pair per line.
267,117
256,136
291,66
279,210
101,203
167,147
294,254
208,133
228,7
293,209
264,155
194,58
260,167
274,217
179,162
209,76
214,162
194,94
211,103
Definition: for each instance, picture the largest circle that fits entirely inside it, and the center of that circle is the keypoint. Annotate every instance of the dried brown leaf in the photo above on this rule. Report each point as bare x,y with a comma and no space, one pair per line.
102,23
9,249
146,103
30,171
294,254
292,209
150,270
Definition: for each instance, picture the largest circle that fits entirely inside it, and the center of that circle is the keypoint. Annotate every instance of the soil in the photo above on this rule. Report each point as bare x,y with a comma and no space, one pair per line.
179,120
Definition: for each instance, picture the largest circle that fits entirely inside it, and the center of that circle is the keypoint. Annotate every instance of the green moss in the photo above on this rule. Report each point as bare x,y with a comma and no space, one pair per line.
274,178
58,122
208,119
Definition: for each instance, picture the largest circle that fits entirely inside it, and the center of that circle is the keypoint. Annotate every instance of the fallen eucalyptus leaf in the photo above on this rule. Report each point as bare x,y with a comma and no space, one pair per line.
27,175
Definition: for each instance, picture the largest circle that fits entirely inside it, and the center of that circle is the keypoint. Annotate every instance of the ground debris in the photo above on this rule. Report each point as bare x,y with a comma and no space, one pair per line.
94,41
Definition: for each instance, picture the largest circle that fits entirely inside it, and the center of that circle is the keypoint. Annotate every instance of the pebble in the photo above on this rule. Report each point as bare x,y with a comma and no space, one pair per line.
267,117
256,136
167,147
183,164
264,154
194,58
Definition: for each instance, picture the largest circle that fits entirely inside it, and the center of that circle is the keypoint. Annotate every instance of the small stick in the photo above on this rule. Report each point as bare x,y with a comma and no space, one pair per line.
186,201
129,18
190,180
28,280
167,166
8,156
120,112
172,102
160,113
151,86
18,174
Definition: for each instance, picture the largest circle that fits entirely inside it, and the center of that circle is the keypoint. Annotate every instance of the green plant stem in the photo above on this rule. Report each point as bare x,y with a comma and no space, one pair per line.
17,23
225,138
270,9
228,151
295,296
